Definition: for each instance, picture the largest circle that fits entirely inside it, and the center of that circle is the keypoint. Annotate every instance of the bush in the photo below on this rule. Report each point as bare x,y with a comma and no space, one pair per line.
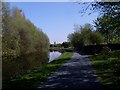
105,49
24,46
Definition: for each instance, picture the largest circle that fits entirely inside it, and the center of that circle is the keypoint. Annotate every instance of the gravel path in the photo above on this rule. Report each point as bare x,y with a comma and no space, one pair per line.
76,73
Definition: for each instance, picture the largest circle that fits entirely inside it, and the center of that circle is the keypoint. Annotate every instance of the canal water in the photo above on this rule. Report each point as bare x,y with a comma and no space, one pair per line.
53,55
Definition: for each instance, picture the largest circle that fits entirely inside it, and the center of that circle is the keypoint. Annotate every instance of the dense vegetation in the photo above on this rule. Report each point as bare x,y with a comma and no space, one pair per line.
107,25
85,35
107,67
63,45
95,49
24,46
32,79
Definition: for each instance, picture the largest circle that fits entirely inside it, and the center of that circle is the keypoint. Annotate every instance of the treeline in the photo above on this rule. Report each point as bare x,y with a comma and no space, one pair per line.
24,46
105,31
61,45
85,35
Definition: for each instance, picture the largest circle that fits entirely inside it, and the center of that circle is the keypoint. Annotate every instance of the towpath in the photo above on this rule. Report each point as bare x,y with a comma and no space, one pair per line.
77,73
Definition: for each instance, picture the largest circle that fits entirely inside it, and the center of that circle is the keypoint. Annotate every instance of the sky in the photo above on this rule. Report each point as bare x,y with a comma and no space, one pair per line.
56,19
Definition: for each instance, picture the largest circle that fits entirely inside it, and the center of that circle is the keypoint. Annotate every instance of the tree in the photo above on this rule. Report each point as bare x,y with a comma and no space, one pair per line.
110,12
76,40
96,38
65,44
85,35
108,23
105,27
24,46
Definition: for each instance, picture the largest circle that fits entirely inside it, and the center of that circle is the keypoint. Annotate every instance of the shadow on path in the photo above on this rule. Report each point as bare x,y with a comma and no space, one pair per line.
76,73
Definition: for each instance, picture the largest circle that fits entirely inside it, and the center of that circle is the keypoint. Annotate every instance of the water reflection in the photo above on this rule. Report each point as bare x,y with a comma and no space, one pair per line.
53,55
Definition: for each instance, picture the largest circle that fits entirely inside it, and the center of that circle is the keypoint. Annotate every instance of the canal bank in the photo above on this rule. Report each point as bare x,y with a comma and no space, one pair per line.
32,79
77,73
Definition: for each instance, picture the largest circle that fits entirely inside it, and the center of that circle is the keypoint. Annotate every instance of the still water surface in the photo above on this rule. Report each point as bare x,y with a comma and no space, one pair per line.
53,55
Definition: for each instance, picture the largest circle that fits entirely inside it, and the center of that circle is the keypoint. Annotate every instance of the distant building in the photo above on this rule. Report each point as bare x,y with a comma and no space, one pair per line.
54,43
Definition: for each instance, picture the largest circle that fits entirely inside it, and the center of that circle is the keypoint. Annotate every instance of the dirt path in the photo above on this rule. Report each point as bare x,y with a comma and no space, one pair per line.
76,73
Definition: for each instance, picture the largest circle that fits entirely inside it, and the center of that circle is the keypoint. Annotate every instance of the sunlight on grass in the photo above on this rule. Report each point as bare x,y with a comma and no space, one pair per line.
107,68
34,77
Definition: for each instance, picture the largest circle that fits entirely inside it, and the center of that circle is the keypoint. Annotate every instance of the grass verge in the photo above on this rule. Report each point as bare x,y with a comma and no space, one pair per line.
33,78
107,68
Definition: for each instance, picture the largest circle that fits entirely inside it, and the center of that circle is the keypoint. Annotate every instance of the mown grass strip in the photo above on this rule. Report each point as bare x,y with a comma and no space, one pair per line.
107,68
32,79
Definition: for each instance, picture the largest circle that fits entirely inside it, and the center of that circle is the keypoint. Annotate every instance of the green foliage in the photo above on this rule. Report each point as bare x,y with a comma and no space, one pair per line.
76,40
109,22
107,67
106,25
107,8
96,38
85,36
33,78
65,44
24,46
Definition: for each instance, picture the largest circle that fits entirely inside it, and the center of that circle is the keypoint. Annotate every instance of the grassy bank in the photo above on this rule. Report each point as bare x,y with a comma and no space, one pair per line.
33,78
107,68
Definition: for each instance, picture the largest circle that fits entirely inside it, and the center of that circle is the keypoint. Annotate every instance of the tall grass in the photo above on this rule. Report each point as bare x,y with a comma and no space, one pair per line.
14,67
32,79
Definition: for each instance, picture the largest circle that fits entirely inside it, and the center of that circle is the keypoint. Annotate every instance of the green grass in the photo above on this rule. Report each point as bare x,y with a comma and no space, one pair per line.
32,79
107,68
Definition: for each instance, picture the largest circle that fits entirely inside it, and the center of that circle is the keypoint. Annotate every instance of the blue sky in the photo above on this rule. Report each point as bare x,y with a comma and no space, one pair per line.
56,19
